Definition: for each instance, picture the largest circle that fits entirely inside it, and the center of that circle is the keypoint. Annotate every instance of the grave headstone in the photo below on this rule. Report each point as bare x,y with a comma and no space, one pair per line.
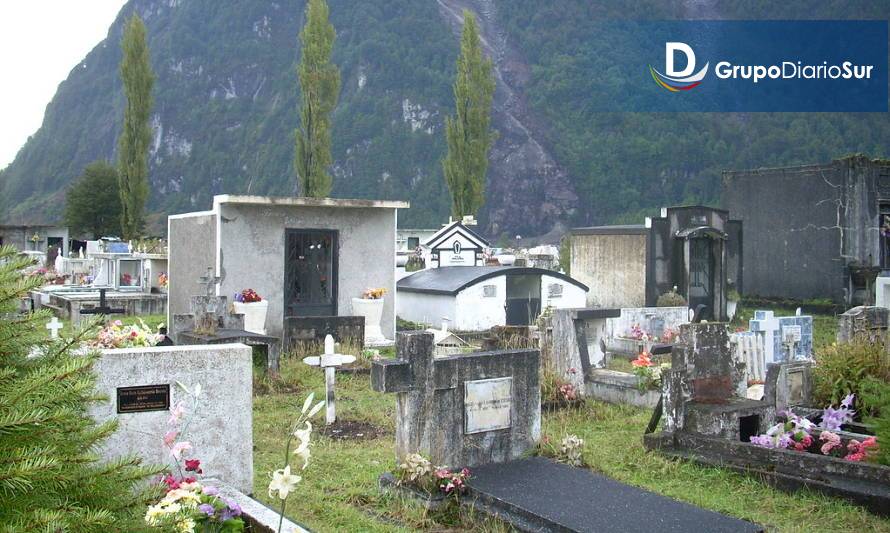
786,338
462,410
863,322
329,361
141,385
577,337
705,390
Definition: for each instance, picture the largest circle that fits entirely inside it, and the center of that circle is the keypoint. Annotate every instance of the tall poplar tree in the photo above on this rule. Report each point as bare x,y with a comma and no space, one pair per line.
467,133
320,87
135,137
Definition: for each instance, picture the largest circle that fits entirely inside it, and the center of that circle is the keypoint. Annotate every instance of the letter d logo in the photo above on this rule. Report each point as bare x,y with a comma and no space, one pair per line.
670,50
674,80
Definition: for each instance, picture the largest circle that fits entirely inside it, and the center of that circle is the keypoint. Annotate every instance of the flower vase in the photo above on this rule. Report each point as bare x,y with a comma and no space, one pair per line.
254,315
372,311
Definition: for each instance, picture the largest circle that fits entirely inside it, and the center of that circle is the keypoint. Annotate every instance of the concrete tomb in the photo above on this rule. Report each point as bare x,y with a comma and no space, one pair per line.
462,410
694,248
142,387
309,257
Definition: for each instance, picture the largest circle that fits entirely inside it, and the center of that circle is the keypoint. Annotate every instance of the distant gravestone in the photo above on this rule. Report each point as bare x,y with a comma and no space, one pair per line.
462,410
54,326
786,338
863,322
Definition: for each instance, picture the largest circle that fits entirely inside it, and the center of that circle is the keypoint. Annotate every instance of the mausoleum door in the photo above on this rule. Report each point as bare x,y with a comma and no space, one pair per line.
701,274
523,304
310,273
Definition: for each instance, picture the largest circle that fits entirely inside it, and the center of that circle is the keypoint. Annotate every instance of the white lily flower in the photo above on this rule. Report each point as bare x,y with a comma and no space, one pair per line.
315,409
283,482
308,402
304,453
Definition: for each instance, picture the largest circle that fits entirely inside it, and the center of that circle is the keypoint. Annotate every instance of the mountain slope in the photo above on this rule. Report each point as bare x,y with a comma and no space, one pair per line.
227,95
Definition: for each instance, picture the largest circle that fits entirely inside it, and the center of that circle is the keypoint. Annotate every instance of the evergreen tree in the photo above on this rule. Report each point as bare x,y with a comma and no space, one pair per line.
467,133
93,202
320,87
50,476
135,137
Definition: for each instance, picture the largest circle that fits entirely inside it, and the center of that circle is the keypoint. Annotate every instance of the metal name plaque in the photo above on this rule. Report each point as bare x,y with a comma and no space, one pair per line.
487,404
143,398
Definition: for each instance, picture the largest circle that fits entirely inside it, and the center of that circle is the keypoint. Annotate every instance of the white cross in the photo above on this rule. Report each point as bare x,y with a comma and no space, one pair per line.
329,361
54,326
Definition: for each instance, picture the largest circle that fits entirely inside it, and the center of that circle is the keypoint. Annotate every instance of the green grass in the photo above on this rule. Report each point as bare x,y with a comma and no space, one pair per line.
339,489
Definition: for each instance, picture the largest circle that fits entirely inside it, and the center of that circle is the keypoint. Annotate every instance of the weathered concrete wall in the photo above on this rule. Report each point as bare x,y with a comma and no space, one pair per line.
191,251
805,226
252,249
221,432
20,237
613,266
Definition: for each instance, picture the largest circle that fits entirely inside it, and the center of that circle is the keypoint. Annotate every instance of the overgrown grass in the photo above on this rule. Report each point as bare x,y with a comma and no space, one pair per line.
339,490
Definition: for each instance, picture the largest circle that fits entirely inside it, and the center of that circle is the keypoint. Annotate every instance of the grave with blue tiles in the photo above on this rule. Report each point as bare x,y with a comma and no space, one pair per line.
785,338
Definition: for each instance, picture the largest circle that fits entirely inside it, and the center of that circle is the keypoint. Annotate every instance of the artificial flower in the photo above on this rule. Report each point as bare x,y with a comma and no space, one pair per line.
193,465
179,448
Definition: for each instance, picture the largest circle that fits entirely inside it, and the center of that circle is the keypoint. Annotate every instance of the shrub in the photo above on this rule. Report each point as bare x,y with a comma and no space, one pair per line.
50,476
875,396
671,298
841,369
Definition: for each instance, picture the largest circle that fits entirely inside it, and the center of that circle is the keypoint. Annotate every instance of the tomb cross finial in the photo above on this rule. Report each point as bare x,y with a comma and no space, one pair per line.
210,281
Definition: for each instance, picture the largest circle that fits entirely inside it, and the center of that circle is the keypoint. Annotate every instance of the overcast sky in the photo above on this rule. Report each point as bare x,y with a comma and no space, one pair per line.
40,42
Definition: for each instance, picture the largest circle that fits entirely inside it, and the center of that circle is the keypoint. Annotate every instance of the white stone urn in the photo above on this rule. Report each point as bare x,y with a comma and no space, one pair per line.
372,310
254,315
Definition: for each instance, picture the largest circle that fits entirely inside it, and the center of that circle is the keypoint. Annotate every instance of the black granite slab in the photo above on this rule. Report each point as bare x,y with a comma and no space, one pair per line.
538,494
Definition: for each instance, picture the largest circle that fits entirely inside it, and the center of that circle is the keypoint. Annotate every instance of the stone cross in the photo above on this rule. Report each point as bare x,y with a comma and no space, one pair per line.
103,308
54,326
210,281
462,410
329,361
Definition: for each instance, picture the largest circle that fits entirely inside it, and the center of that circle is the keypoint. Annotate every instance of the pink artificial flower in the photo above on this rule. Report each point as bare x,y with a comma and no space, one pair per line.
176,413
442,473
170,437
832,441
177,450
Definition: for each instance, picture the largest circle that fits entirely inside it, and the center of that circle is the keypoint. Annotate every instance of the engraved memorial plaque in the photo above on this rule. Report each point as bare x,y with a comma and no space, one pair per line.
143,398
791,334
487,404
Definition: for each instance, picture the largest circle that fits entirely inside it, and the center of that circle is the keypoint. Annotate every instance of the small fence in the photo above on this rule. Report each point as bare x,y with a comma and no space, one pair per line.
750,348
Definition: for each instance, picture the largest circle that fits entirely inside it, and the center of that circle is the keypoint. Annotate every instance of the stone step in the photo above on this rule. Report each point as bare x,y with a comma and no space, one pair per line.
538,494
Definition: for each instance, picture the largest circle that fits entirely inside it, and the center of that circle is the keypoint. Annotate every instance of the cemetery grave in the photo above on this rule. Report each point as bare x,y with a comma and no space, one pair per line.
709,419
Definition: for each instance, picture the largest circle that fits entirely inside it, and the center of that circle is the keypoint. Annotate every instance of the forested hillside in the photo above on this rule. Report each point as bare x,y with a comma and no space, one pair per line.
227,94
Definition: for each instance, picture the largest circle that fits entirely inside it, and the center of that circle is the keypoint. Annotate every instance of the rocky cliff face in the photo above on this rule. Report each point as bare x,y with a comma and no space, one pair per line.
527,190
